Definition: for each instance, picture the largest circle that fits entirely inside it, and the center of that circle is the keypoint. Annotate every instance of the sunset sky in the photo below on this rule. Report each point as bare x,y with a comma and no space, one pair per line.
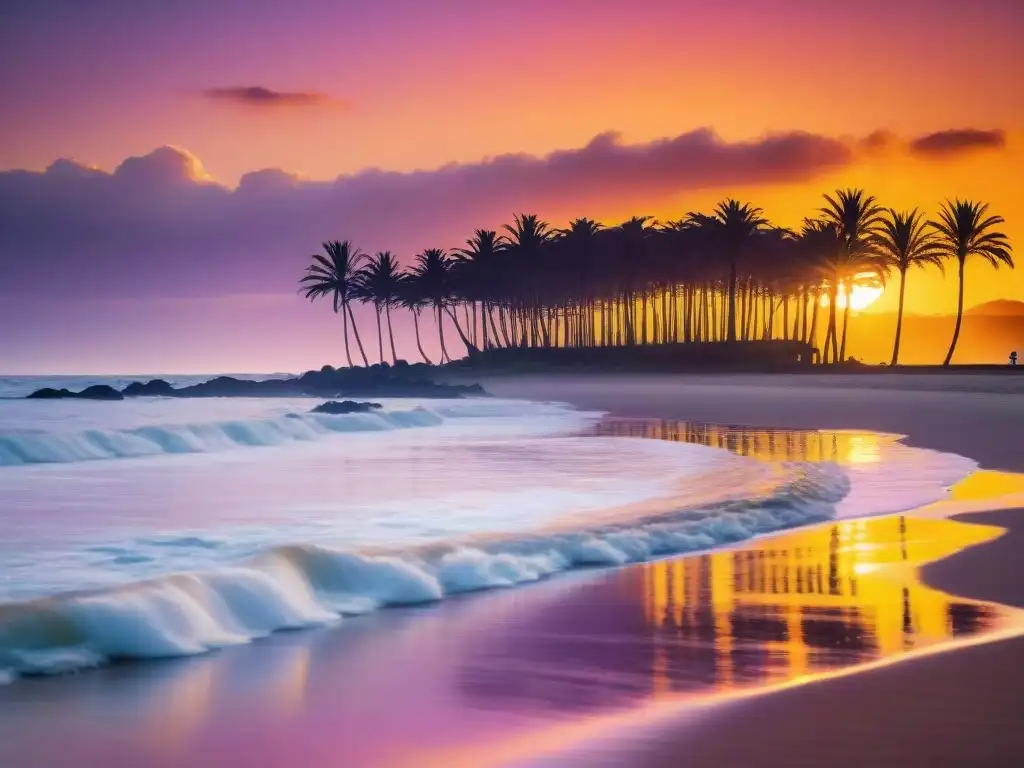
136,257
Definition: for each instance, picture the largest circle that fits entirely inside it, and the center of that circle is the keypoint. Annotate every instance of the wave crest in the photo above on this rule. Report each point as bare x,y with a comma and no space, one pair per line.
298,586
29,447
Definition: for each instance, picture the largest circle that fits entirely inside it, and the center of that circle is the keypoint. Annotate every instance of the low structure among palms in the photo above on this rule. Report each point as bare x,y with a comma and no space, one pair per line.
728,276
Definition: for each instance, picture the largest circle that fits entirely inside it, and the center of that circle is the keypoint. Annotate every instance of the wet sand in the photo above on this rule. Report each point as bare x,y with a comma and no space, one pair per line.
975,415
504,677
961,708
657,664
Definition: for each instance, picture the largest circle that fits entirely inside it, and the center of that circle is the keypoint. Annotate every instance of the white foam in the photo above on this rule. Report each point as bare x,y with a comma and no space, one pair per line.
419,502
35,447
298,586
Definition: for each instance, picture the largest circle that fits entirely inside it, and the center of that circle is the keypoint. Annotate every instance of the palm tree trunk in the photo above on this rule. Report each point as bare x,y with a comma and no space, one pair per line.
440,334
380,335
959,315
391,334
899,320
470,346
812,332
731,322
846,321
419,344
344,326
355,331
831,335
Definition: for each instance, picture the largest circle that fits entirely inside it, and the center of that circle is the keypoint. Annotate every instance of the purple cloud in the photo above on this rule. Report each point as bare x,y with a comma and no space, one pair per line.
158,226
260,96
942,144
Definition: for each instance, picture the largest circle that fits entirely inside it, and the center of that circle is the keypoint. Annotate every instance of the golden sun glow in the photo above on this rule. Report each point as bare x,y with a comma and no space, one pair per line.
861,297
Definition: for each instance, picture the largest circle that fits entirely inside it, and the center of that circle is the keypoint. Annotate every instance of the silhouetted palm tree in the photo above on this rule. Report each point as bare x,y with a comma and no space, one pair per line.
579,247
633,239
477,269
904,240
964,230
857,217
733,225
380,282
722,276
431,272
337,276
822,245
526,242
412,298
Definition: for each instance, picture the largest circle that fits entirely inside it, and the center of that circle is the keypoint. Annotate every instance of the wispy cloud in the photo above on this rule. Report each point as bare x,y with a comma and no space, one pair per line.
261,96
957,141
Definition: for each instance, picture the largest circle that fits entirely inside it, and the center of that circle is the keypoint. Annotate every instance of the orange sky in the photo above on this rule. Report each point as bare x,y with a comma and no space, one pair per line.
410,85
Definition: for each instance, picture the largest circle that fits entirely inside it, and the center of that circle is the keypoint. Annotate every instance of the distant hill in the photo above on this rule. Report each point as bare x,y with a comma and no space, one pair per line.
998,308
990,332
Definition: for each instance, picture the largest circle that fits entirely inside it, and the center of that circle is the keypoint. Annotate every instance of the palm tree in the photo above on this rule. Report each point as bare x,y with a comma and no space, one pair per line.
526,241
412,298
337,276
578,245
857,217
431,272
633,238
477,269
904,241
822,247
733,224
380,282
963,230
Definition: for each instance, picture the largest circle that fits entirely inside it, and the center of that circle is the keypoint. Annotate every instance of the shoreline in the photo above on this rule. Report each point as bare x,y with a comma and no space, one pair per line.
569,658
953,705
825,719
880,720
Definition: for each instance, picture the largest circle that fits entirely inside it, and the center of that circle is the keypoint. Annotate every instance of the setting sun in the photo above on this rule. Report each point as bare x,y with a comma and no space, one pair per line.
861,297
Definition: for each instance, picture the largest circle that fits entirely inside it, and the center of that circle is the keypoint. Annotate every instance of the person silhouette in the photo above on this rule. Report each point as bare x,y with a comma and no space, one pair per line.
1013,357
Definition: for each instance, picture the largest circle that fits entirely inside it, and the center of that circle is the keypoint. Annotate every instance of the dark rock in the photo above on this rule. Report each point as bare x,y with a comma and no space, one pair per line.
400,380
100,392
49,393
336,408
96,392
154,388
227,386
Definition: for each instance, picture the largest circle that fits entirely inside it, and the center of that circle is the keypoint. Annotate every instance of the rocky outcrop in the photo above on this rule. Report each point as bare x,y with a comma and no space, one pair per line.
95,392
335,408
154,388
401,380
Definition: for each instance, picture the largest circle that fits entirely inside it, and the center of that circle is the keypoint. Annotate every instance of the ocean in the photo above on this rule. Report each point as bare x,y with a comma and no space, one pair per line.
160,527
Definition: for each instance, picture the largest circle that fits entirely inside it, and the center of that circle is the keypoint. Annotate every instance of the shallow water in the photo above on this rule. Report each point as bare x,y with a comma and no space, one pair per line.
160,527
497,678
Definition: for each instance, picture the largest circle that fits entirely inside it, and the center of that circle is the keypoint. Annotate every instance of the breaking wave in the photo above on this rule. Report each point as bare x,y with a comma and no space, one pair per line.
295,586
40,447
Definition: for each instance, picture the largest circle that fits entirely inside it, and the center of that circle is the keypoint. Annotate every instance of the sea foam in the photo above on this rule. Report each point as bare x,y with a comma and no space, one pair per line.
297,586
39,447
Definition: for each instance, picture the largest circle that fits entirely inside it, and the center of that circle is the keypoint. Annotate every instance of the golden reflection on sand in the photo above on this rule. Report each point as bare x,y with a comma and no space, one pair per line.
986,485
842,447
794,608
810,601
787,610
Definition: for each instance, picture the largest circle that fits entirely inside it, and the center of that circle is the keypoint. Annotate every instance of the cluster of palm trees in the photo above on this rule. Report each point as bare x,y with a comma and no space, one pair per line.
727,275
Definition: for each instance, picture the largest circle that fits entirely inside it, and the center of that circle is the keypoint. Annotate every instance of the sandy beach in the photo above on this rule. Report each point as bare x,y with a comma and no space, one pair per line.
951,709
828,658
